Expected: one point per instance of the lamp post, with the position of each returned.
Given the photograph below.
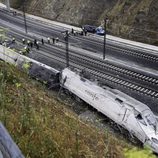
(24, 17)
(104, 47)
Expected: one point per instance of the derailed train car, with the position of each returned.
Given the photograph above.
(129, 113)
(35, 69)
(39, 71)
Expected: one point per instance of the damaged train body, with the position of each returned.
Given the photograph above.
(127, 112)
(34, 68)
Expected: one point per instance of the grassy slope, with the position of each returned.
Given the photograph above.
(42, 127)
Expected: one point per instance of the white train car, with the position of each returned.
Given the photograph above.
(129, 113)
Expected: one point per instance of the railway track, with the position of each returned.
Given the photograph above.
(105, 70)
(144, 57)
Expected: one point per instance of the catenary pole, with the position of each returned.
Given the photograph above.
(67, 48)
(24, 17)
(105, 28)
(8, 5)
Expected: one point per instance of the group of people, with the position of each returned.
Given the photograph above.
(36, 43)
(30, 44)
(54, 40)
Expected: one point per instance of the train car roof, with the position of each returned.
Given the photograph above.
(112, 93)
(139, 106)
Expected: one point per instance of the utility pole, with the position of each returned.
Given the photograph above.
(104, 47)
(24, 17)
(8, 5)
(67, 47)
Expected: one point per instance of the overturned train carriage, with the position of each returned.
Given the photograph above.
(36, 69)
(129, 113)
(42, 72)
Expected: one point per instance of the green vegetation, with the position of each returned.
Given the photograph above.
(43, 128)
(135, 153)
(124, 12)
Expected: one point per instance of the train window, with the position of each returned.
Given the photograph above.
(119, 100)
(151, 120)
(154, 140)
(140, 119)
(136, 113)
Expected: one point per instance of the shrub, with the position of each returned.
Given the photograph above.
(137, 153)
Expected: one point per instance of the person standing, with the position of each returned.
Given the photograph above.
(13, 40)
(42, 41)
(31, 44)
(35, 42)
(53, 39)
(72, 31)
(37, 45)
(28, 43)
(48, 40)
(23, 41)
(57, 39)
(85, 32)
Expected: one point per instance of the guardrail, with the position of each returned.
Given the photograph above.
(8, 149)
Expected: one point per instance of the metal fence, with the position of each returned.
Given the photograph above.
(8, 149)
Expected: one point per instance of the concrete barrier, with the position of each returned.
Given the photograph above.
(8, 149)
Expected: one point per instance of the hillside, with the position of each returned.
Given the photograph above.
(133, 19)
(41, 125)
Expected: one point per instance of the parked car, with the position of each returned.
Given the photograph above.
(89, 28)
(100, 31)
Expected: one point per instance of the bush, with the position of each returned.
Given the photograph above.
(137, 153)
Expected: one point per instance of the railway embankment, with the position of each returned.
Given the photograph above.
(42, 126)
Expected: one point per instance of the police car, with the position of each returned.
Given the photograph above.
(100, 31)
